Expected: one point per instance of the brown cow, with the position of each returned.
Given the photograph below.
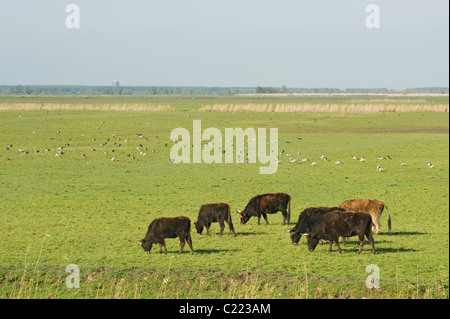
(264, 204)
(211, 213)
(162, 228)
(373, 207)
(341, 224)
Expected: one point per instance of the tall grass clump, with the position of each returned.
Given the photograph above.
(90, 107)
(328, 107)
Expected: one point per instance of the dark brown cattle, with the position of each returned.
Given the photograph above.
(308, 219)
(341, 224)
(267, 204)
(162, 228)
(373, 207)
(211, 213)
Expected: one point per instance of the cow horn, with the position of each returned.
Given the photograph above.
(304, 234)
(287, 230)
(238, 211)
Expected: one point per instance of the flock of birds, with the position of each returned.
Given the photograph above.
(60, 151)
(108, 147)
(338, 162)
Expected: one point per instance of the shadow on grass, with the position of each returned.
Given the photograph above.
(404, 233)
(394, 250)
(196, 251)
(378, 250)
(248, 233)
(212, 251)
(231, 235)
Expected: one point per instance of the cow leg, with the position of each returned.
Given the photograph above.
(361, 243)
(222, 227)
(288, 218)
(163, 244)
(344, 240)
(189, 241)
(265, 218)
(370, 238)
(330, 248)
(182, 243)
(378, 227)
(376, 223)
(259, 217)
(207, 228)
(337, 244)
(285, 217)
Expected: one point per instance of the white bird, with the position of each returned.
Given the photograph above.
(402, 163)
(379, 168)
(354, 157)
(305, 160)
(313, 163)
(112, 159)
(430, 165)
(338, 162)
(292, 160)
(362, 159)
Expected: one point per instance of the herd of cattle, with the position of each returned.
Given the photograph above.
(356, 217)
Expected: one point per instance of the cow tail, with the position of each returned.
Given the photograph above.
(188, 230)
(289, 211)
(389, 217)
(230, 223)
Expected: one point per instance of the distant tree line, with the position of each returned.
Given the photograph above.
(260, 89)
(120, 90)
(187, 90)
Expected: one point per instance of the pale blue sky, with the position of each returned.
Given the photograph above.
(225, 43)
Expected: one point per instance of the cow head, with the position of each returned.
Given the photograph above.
(198, 226)
(295, 236)
(146, 245)
(243, 216)
(312, 242)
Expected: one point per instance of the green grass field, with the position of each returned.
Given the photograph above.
(91, 211)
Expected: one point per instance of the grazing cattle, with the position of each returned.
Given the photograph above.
(267, 204)
(342, 224)
(308, 219)
(373, 207)
(211, 213)
(162, 228)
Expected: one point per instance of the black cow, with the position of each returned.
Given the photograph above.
(308, 219)
(168, 228)
(211, 213)
(267, 204)
(336, 224)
